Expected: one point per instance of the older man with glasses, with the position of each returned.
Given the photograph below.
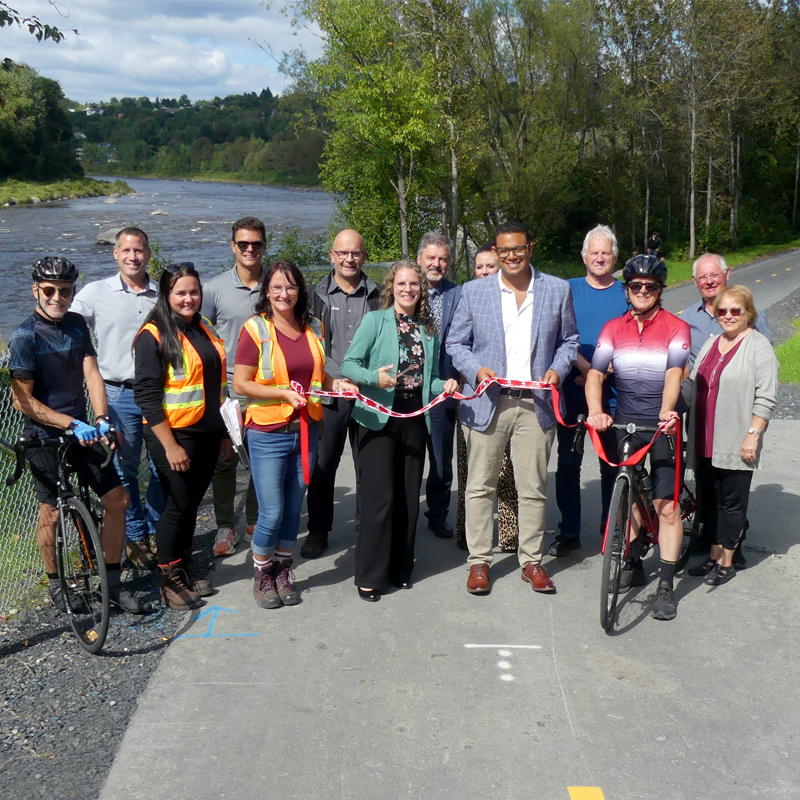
(228, 301)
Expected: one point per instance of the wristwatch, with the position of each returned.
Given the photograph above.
(756, 432)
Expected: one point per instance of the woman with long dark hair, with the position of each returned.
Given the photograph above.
(180, 383)
(280, 350)
(394, 356)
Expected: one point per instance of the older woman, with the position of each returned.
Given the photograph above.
(280, 346)
(734, 382)
(394, 358)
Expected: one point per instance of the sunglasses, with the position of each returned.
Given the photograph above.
(173, 268)
(641, 286)
(63, 291)
(257, 246)
(734, 312)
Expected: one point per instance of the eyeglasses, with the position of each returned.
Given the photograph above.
(641, 286)
(505, 252)
(734, 312)
(344, 254)
(279, 290)
(63, 291)
(245, 246)
(712, 278)
(173, 268)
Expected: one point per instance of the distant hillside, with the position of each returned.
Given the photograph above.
(254, 137)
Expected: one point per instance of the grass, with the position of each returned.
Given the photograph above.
(789, 357)
(14, 191)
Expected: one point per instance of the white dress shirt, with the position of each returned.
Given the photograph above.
(517, 327)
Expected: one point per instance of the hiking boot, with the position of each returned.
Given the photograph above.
(225, 542)
(665, 608)
(76, 603)
(127, 601)
(264, 590)
(140, 555)
(248, 533)
(562, 545)
(198, 582)
(283, 582)
(632, 575)
(315, 544)
(173, 587)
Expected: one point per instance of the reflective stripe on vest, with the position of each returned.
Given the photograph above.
(271, 371)
(183, 399)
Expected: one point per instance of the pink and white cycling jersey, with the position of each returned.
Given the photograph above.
(641, 360)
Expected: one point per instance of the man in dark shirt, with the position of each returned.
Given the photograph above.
(340, 301)
(51, 354)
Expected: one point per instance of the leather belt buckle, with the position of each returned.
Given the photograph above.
(516, 394)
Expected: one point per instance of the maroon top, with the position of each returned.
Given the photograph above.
(708, 375)
(299, 362)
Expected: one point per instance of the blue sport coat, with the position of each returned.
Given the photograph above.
(476, 340)
(450, 298)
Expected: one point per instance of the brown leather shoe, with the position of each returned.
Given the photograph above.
(539, 580)
(478, 581)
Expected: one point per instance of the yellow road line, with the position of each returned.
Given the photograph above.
(585, 793)
(774, 275)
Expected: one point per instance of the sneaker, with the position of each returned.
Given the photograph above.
(197, 581)
(127, 601)
(225, 542)
(76, 603)
(140, 555)
(665, 608)
(173, 587)
(248, 533)
(264, 590)
(563, 545)
(283, 582)
(632, 575)
(315, 544)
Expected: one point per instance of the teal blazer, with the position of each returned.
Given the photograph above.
(376, 344)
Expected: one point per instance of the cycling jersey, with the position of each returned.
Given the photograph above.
(51, 354)
(641, 360)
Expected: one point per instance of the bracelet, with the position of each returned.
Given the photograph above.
(756, 432)
(102, 418)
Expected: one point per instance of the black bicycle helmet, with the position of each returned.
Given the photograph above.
(54, 268)
(643, 266)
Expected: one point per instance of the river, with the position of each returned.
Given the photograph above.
(197, 228)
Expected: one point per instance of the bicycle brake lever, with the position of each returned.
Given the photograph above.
(578, 440)
(19, 466)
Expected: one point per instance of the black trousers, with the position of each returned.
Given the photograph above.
(725, 494)
(183, 491)
(337, 428)
(390, 466)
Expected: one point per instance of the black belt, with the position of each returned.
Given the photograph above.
(408, 394)
(289, 427)
(516, 394)
(121, 384)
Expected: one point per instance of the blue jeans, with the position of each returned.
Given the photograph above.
(440, 454)
(277, 466)
(140, 520)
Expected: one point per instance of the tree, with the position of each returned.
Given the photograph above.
(40, 30)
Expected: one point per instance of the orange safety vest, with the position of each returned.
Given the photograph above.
(272, 371)
(184, 399)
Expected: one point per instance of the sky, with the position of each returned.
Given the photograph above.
(159, 48)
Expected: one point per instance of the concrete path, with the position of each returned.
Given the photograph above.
(435, 693)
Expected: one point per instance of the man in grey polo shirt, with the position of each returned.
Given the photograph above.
(711, 275)
(340, 300)
(228, 301)
(115, 308)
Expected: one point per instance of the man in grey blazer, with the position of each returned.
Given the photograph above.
(518, 325)
(433, 255)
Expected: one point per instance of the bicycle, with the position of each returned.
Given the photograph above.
(632, 490)
(79, 550)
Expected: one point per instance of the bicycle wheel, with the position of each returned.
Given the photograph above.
(691, 521)
(82, 572)
(618, 518)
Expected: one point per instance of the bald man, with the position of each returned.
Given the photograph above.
(340, 300)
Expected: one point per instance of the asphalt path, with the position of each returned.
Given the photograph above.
(770, 279)
(434, 692)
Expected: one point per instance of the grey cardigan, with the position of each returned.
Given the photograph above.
(748, 386)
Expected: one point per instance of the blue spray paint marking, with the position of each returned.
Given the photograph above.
(212, 612)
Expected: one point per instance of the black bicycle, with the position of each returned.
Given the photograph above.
(79, 551)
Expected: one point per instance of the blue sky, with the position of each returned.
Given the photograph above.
(160, 48)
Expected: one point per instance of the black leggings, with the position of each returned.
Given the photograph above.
(725, 493)
(183, 491)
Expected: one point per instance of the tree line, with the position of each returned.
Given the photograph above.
(681, 116)
(251, 136)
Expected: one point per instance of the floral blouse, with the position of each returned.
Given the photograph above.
(412, 357)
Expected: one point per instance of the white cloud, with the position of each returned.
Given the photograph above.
(201, 48)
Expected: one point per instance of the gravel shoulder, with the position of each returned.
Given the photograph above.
(63, 712)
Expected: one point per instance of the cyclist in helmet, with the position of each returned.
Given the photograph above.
(648, 348)
(51, 355)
